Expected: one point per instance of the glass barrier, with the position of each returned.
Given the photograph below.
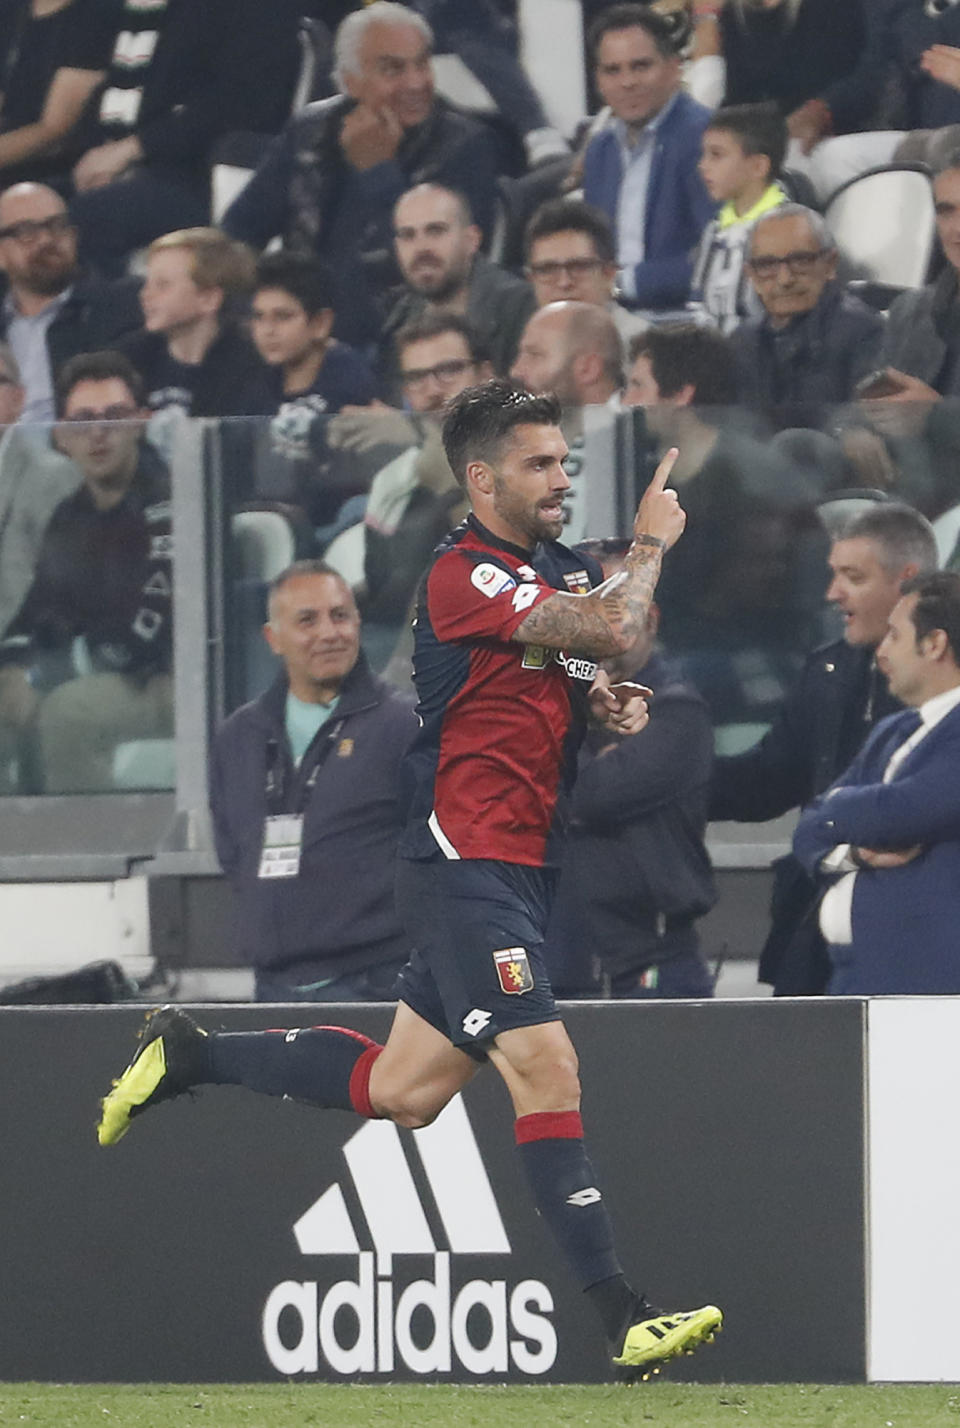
(86, 609)
(742, 596)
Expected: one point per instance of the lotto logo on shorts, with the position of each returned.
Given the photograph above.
(513, 969)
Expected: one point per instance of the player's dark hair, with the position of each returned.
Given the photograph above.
(102, 366)
(904, 536)
(298, 569)
(633, 17)
(301, 275)
(937, 607)
(570, 215)
(480, 419)
(437, 323)
(757, 128)
(681, 353)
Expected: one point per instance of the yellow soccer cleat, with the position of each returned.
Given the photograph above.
(650, 1342)
(171, 1058)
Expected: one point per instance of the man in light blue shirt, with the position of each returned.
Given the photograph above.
(642, 168)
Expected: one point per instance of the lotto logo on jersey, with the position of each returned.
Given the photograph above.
(490, 580)
(513, 970)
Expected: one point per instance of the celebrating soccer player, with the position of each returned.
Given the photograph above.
(510, 625)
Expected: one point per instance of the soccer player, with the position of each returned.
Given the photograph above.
(509, 629)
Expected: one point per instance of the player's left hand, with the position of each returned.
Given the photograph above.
(888, 857)
(621, 708)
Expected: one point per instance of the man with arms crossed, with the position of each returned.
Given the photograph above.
(508, 632)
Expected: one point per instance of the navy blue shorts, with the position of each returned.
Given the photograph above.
(476, 927)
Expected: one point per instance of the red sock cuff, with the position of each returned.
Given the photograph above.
(359, 1089)
(548, 1125)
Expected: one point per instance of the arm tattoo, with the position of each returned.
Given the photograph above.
(606, 621)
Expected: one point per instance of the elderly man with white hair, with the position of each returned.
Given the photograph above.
(329, 183)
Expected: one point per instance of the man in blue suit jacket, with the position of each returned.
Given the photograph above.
(642, 169)
(891, 825)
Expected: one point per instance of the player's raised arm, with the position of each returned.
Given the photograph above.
(608, 620)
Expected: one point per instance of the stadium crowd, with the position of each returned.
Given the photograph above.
(276, 217)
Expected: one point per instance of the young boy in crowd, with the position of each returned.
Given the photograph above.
(292, 321)
(743, 152)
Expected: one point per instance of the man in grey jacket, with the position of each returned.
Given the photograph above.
(34, 479)
(921, 347)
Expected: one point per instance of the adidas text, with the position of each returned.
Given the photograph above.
(365, 1325)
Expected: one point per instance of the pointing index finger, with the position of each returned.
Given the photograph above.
(662, 474)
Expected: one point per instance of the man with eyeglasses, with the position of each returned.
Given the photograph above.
(815, 341)
(91, 645)
(52, 310)
(437, 246)
(414, 500)
(571, 257)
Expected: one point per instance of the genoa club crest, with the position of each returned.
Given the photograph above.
(513, 970)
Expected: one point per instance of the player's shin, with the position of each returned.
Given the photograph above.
(565, 1193)
(326, 1066)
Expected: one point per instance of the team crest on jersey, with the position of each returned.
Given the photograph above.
(490, 580)
(513, 970)
(577, 582)
(536, 657)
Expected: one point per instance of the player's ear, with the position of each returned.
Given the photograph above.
(479, 477)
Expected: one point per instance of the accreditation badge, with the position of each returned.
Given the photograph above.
(282, 842)
(513, 970)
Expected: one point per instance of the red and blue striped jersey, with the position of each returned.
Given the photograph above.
(489, 772)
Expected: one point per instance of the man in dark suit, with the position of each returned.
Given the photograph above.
(839, 697)
(890, 827)
(641, 170)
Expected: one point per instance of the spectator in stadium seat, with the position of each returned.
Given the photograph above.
(293, 323)
(34, 479)
(889, 825)
(743, 151)
(742, 594)
(777, 52)
(437, 246)
(921, 343)
(304, 793)
(53, 55)
(183, 74)
(838, 698)
(573, 349)
(329, 183)
(191, 353)
(53, 309)
(570, 256)
(95, 625)
(642, 170)
(415, 500)
(636, 875)
(815, 342)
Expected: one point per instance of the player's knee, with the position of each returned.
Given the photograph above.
(411, 1109)
(550, 1070)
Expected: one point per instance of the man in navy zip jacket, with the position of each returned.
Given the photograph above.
(887, 834)
(642, 168)
(303, 793)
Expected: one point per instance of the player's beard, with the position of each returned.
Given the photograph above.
(525, 517)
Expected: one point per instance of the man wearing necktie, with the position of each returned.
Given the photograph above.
(887, 833)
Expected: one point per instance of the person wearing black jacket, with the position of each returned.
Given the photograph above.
(329, 182)
(53, 309)
(92, 640)
(822, 725)
(191, 354)
(636, 875)
(304, 799)
(183, 73)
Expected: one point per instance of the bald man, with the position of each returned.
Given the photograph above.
(52, 311)
(437, 243)
(574, 350)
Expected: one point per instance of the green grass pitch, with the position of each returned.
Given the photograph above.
(304, 1405)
